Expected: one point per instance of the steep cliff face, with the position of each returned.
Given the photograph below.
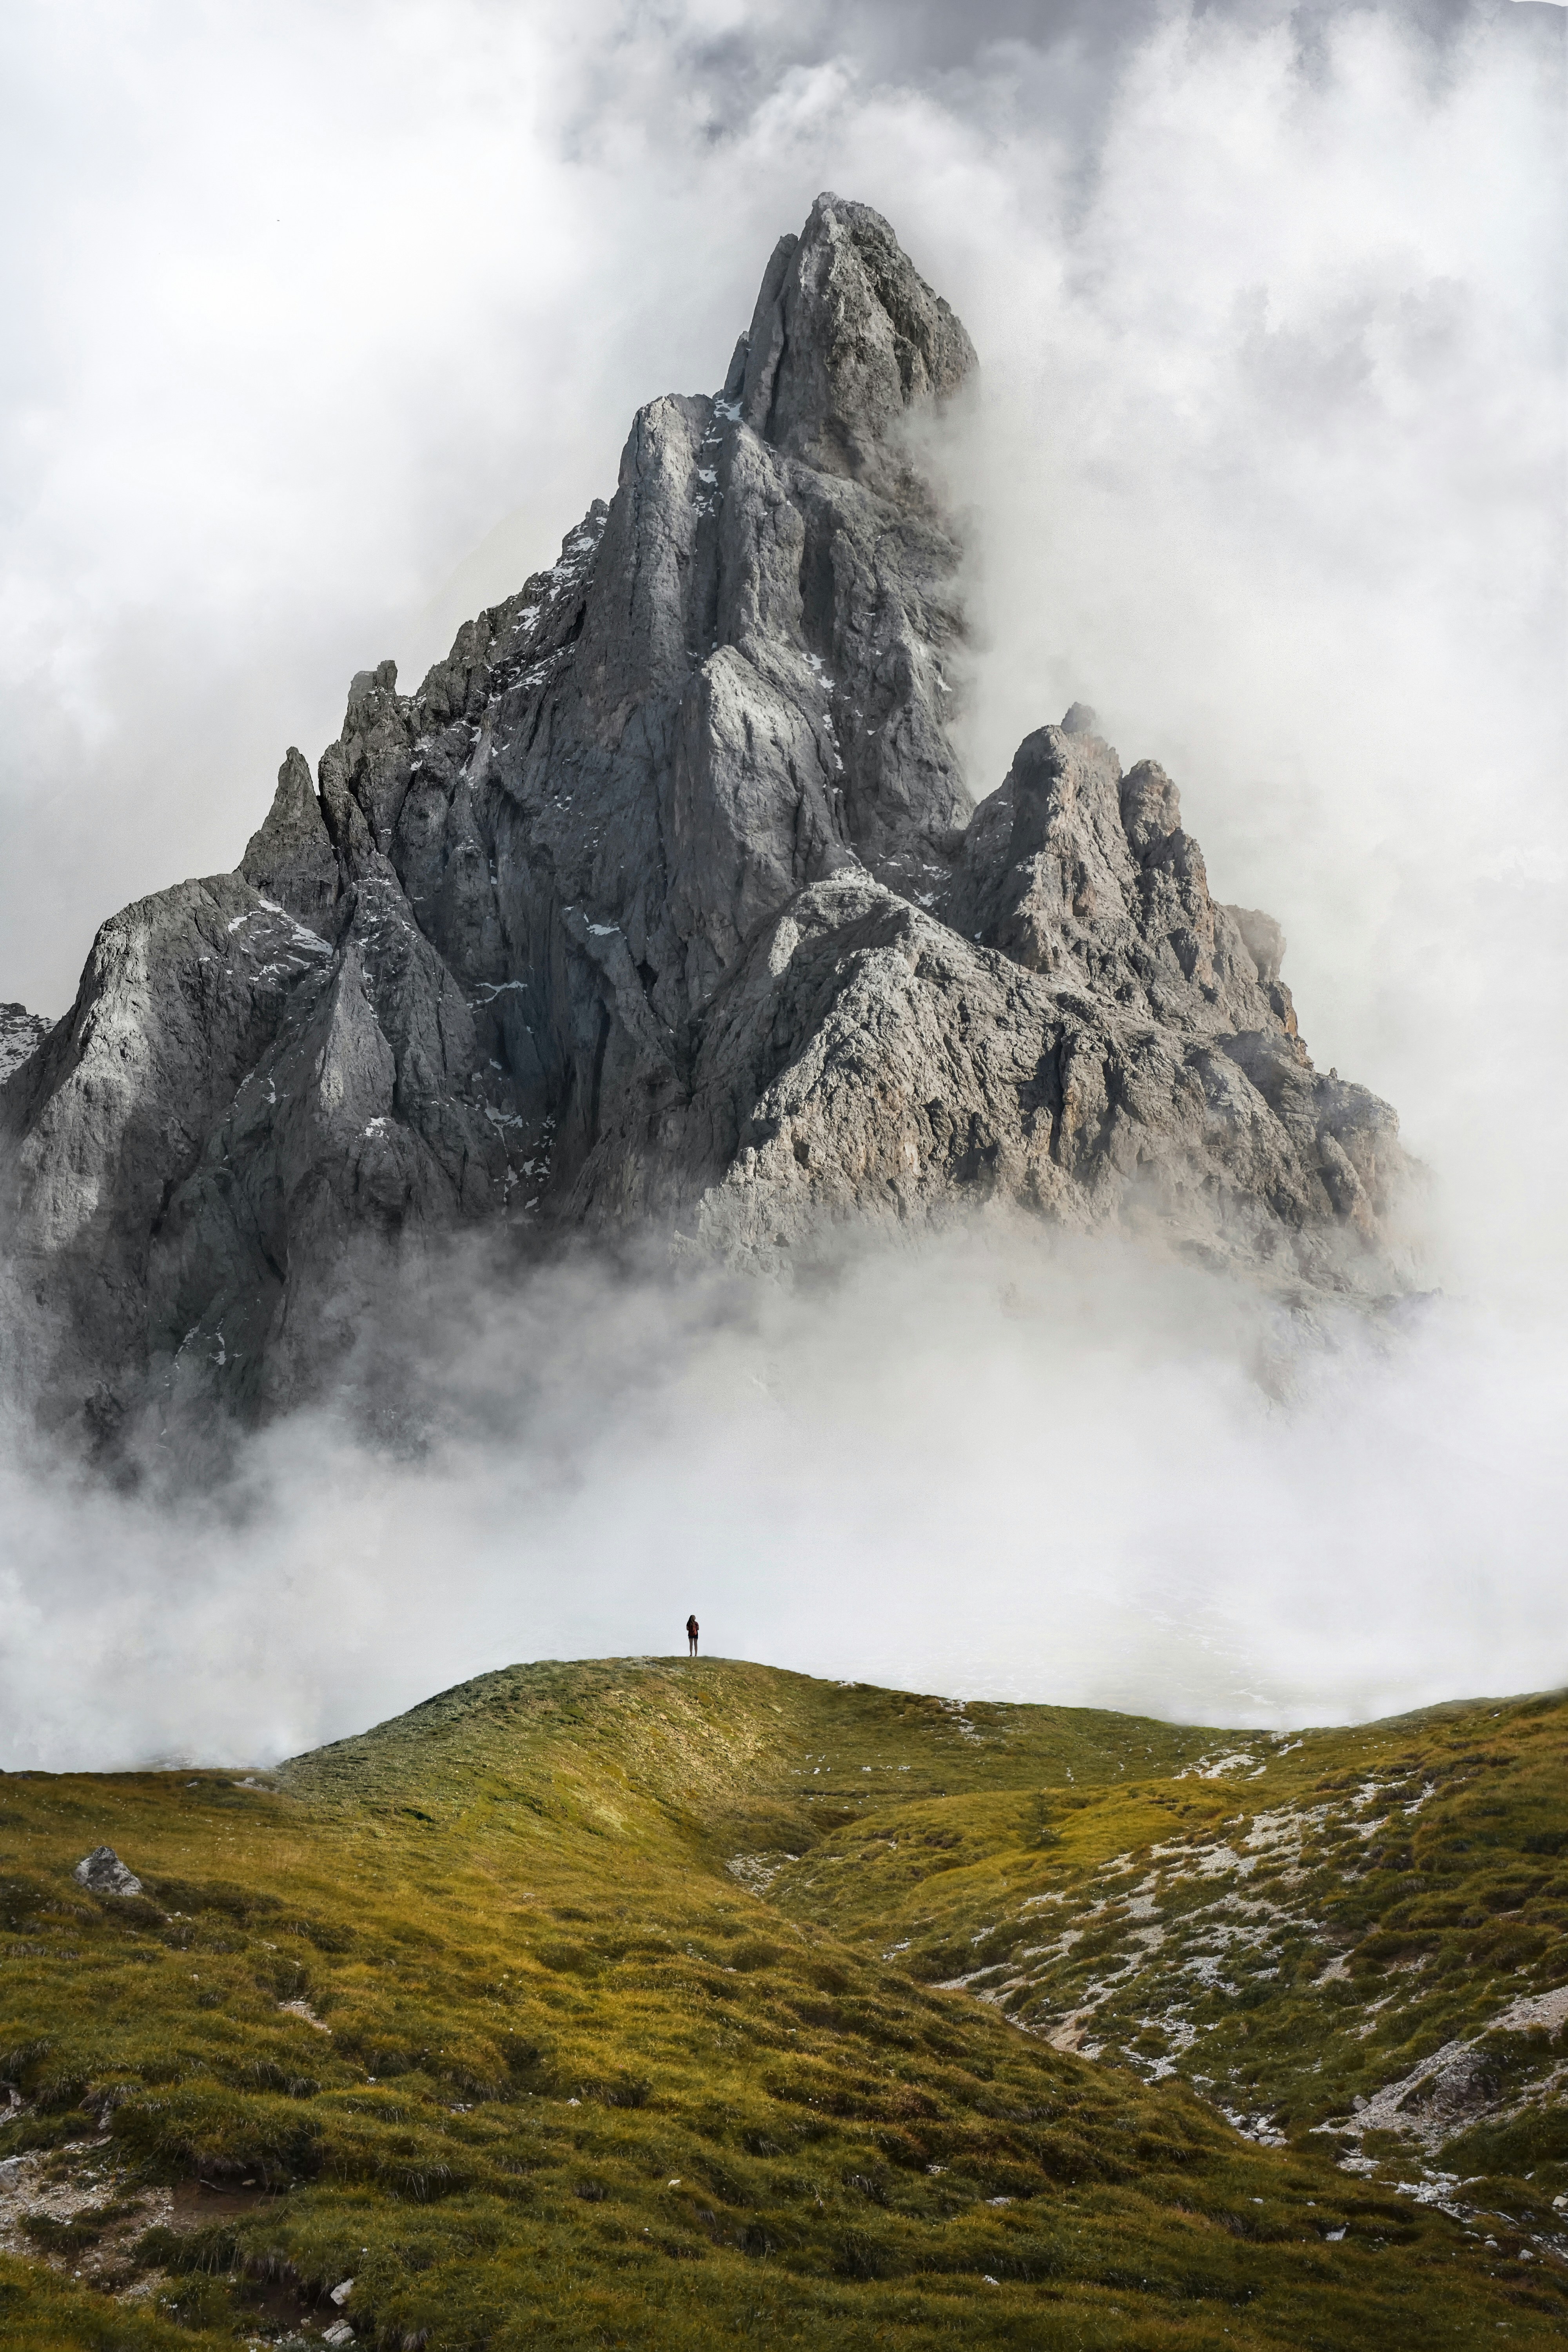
(663, 898)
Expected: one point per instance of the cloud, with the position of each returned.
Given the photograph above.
(327, 323)
(1001, 1463)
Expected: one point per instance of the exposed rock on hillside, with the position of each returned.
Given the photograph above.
(102, 1872)
(663, 898)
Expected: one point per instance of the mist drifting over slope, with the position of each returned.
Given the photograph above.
(1005, 1463)
(334, 327)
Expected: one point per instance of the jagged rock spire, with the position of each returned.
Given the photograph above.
(846, 338)
(663, 898)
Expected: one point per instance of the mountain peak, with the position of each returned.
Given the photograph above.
(845, 338)
(663, 901)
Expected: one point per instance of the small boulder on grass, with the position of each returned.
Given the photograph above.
(102, 1872)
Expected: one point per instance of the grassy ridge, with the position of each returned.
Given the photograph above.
(482, 2011)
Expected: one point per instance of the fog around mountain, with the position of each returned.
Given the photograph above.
(331, 328)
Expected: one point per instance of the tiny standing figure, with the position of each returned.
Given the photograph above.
(692, 1631)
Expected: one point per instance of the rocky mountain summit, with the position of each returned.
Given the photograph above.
(662, 901)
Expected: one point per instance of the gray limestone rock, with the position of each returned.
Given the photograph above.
(845, 338)
(102, 1872)
(21, 1034)
(663, 899)
(291, 856)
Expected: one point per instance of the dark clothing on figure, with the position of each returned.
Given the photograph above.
(691, 1632)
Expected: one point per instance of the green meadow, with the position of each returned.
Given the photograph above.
(672, 2004)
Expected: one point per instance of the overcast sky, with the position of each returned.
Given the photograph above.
(324, 322)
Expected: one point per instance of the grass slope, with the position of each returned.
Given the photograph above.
(485, 2010)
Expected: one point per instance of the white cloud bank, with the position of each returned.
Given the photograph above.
(305, 303)
(998, 1465)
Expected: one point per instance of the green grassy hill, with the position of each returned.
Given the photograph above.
(664, 2004)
